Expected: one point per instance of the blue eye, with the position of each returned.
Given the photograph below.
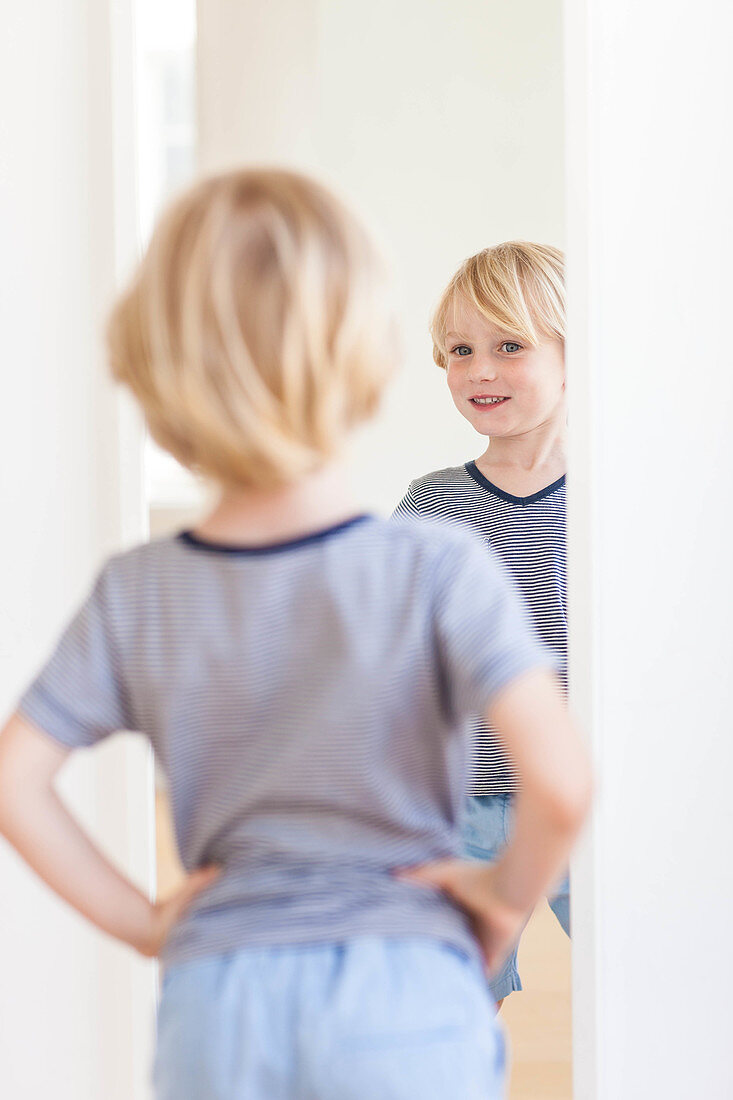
(511, 347)
(461, 349)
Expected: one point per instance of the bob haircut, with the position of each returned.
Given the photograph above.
(256, 332)
(517, 286)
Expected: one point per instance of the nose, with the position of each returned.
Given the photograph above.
(482, 369)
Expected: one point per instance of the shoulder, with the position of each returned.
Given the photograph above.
(432, 540)
(129, 570)
(439, 481)
(145, 555)
(434, 492)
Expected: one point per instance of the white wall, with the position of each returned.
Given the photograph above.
(650, 175)
(75, 1011)
(442, 123)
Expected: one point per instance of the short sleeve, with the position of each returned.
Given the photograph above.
(78, 698)
(407, 507)
(485, 635)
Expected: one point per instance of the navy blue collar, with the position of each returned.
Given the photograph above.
(473, 471)
(191, 539)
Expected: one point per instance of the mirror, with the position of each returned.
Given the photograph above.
(444, 126)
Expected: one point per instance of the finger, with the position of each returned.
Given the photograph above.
(208, 873)
(202, 877)
(196, 882)
(429, 874)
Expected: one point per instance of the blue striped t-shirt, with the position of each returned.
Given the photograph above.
(308, 702)
(528, 534)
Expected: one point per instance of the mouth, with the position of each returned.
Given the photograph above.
(488, 401)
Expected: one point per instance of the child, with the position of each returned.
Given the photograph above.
(498, 332)
(305, 673)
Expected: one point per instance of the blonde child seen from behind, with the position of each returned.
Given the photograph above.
(305, 673)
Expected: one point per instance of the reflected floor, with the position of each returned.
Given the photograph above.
(537, 1020)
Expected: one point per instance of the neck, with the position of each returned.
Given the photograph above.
(539, 451)
(252, 517)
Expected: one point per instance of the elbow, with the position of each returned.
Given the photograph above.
(8, 800)
(20, 792)
(569, 805)
(563, 798)
(5, 811)
(6, 786)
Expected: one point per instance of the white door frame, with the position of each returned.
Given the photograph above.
(582, 594)
(649, 163)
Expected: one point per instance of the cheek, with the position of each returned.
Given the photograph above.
(539, 393)
(455, 381)
(555, 387)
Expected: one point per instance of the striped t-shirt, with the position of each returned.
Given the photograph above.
(528, 533)
(309, 703)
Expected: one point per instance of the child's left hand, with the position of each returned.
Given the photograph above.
(471, 884)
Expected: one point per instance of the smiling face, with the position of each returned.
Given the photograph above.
(501, 384)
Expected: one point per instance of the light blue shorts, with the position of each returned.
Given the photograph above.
(370, 1019)
(487, 827)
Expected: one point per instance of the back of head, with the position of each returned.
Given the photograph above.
(256, 332)
(517, 286)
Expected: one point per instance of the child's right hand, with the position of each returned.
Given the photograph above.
(471, 884)
(164, 914)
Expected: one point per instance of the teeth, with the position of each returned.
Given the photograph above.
(487, 400)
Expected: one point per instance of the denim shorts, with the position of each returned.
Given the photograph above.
(369, 1019)
(486, 831)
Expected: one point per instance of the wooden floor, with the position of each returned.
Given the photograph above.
(537, 1020)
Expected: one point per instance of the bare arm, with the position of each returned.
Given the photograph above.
(539, 735)
(554, 798)
(35, 821)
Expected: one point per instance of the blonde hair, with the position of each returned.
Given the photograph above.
(256, 331)
(518, 286)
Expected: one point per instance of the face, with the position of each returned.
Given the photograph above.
(503, 386)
